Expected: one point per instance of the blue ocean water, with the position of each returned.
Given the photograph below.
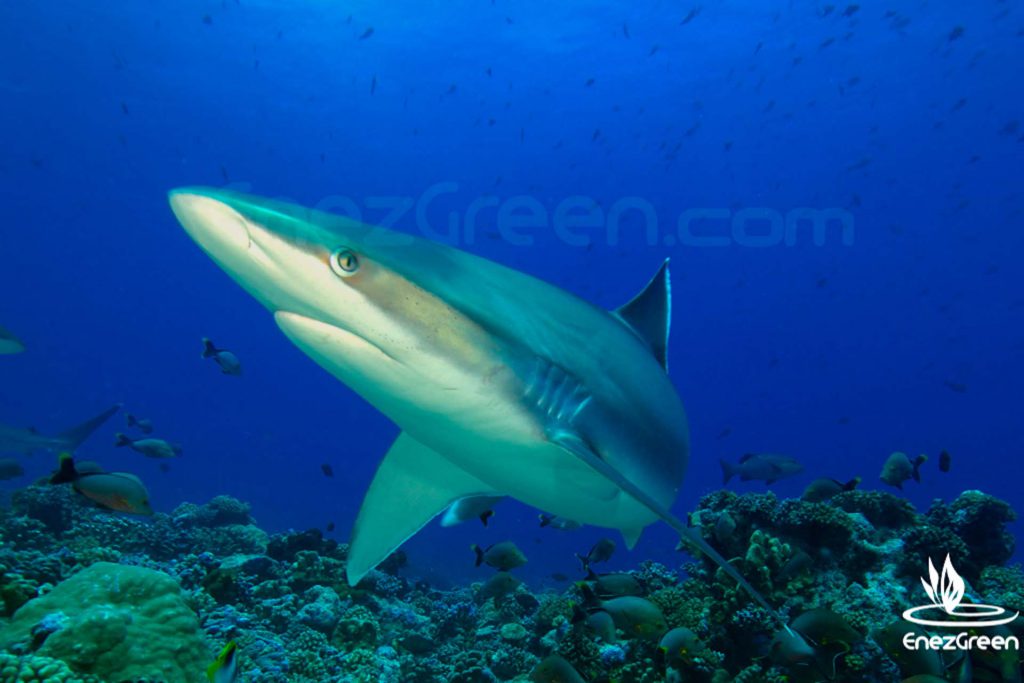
(733, 125)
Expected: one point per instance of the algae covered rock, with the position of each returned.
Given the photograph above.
(118, 623)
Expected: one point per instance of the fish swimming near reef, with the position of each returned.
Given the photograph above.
(899, 467)
(502, 556)
(9, 343)
(143, 424)
(10, 469)
(228, 361)
(502, 384)
(27, 441)
(149, 447)
(556, 522)
(601, 551)
(820, 490)
(119, 491)
(477, 507)
(224, 669)
(766, 467)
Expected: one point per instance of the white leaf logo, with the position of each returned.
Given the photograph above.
(946, 591)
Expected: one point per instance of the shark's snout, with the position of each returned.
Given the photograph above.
(218, 228)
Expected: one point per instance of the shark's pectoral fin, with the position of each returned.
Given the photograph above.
(412, 485)
(575, 445)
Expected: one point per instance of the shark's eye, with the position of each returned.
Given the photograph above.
(344, 263)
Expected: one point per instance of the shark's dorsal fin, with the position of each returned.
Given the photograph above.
(649, 314)
(412, 485)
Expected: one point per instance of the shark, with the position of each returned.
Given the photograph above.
(28, 441)
(501, 384)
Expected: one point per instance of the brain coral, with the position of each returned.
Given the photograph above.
(120, 623)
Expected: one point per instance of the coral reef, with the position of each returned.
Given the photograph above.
(90, 597)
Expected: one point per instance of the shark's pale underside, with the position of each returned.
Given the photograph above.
(502, 384)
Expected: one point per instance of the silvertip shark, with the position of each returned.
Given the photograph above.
(27, 441)
(502, 384)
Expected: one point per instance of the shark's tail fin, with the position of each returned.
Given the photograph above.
(917, 462)
(209, 350)
(74, 437)
(67, 472)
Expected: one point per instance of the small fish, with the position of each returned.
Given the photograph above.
(228, 362)
(899, 467)
(119, 491)
(559, 576)
(820, 490)
(589, 82)
(556, 522)
(151, 448)
(329, 527)
(614, 585)
(956, 33)
(327, 470)
(766, 467)
(555, 669)
(474, 507)
(502, 556)
(373, 85)
(851, 10)
(679, 646)
(636, 617)
(416, 644)
(224, 668)
(725, 525)
(497, 587)
(367, 33)
(625, 30)
(142, 424)
(10, 469)
(691, 16)
(601, 551)
(958, 387)
(9, 343)
(945, 460)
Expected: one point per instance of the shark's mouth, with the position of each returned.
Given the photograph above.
(329, 344)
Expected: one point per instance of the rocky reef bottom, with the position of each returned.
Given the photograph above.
(91, 597)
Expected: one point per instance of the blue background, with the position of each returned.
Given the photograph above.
(836, 354)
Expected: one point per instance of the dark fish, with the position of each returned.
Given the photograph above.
(330, 526)
(555, 669)
(366, 34)
(373, 85)
(207, 19)
(589, 82)
(151, 448)
(956, 33)
(556, 522)
(958, 387)
(724, 433)
(228, 361)
(142, 424)
(502, 556)
(10, 469)
(850, 10)
(766, 467)
(824, 489)
(945, 460)
(497, 587)
(327, 470)
(124, 108)
(899, 468)
(690, 16)
(118, 491)
(625, 29)
(602, 551)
